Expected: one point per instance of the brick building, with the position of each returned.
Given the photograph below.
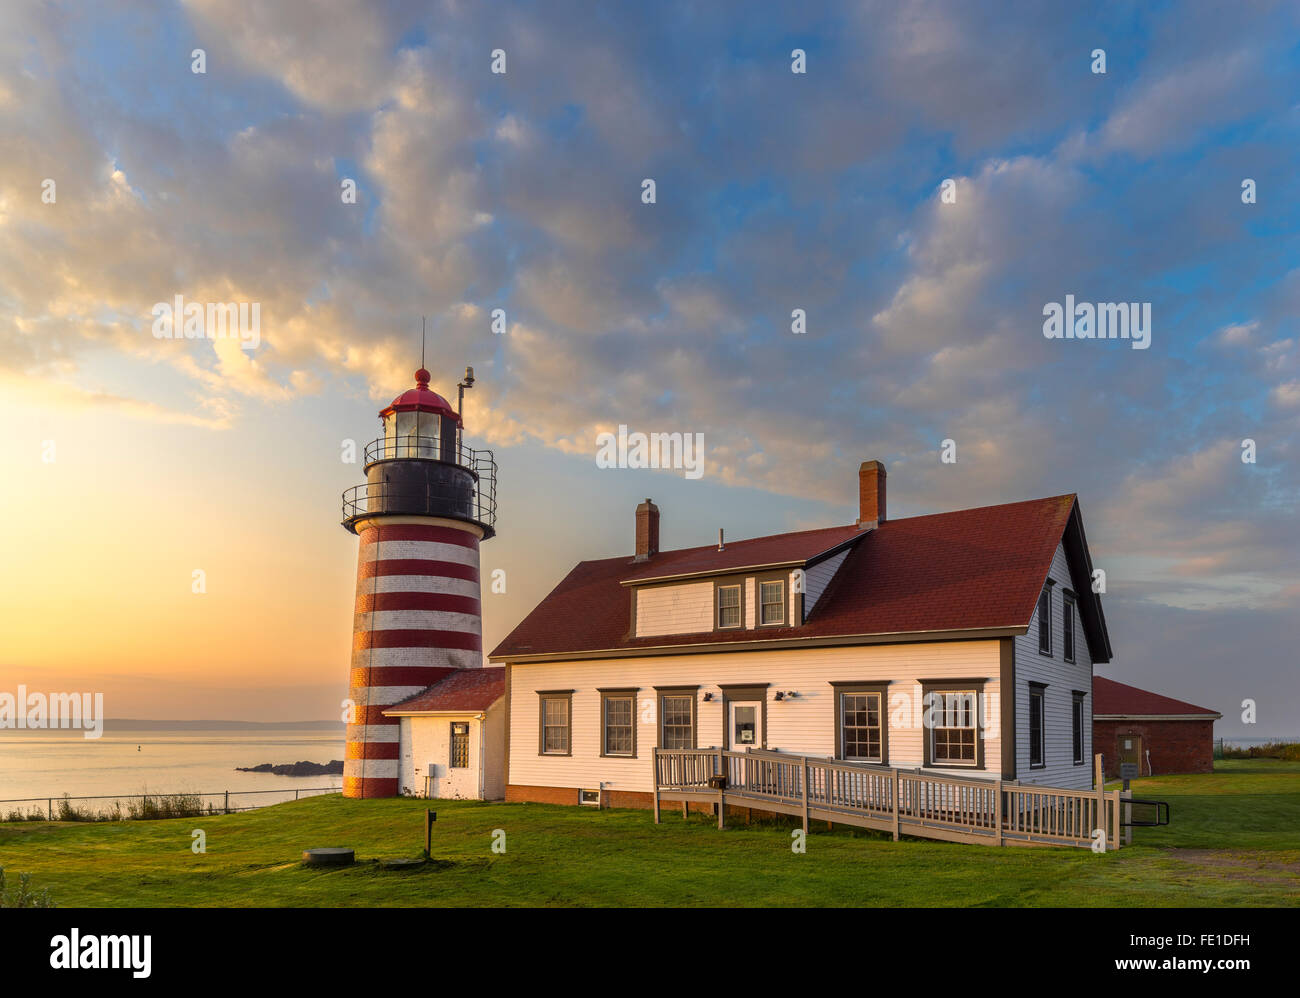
(1162, 735)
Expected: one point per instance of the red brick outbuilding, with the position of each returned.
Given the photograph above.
(1161, 734)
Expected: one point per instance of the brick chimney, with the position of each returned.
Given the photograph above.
(871, 494)
(647, 531)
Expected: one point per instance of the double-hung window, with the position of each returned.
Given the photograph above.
(555, 724)
(1076, 721)
(1037, 725)
(772, 602)
(677, 720)
(1067, 626)
(1045, 620)
(728, 606)
(618, 722)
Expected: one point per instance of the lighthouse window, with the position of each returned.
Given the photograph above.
(406, 434)
(728, 606)
(773, 609)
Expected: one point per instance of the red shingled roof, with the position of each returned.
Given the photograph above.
(779, 549)
(1110, 697)
(464, 689)
(967, 570)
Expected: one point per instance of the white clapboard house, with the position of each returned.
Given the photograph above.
(956, 643)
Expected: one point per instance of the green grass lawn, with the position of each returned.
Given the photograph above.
(1234, 840)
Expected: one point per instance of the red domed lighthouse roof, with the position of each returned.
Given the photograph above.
(420, 399)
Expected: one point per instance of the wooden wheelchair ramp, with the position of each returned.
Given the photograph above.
(902, 802)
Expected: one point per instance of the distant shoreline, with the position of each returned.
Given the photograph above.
(137, 724)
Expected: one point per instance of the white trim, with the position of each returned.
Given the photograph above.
(473, 712)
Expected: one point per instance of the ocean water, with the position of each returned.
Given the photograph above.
(43, 764)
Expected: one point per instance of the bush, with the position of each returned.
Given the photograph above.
(169, 806)
(1285, 751)
(24, 896)
(67, 812)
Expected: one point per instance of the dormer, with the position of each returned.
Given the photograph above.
(757, 585)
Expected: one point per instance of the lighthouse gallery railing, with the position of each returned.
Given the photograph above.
(475, 499)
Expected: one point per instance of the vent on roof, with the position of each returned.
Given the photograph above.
(721, 546)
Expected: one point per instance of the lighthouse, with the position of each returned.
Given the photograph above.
(427, 503)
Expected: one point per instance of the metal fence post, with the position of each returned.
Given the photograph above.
(227, 802)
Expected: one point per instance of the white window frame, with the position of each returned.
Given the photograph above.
(764, 604)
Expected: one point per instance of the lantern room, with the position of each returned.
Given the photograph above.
(422, 467)
(420, 424)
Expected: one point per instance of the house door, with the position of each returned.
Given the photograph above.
(1130, 750)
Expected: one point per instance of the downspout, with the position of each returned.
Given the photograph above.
(482, 750)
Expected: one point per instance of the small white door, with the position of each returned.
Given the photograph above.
(745, 730)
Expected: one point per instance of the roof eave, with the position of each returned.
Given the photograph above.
(812, 641)
(1208, 716)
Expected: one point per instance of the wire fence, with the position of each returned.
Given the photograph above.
(128, 807)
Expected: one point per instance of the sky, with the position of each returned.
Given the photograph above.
(130, 461)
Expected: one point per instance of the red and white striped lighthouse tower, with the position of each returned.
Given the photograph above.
(427, 503)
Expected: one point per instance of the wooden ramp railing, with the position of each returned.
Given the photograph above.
(904, 802)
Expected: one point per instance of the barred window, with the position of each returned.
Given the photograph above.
(459, 745)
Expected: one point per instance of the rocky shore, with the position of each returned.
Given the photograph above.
(334, 768)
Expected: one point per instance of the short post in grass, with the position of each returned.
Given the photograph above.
(1127, 794)
(429, 818)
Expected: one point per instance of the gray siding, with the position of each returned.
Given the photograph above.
(1061, 678)
(817, 578)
